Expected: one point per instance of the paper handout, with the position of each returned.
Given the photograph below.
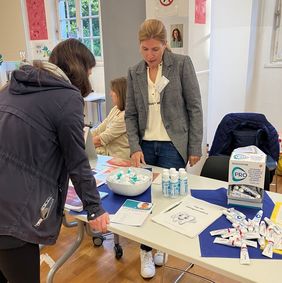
(190, 216)
(132, 213)
(73, 201)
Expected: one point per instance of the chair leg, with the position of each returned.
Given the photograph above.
(183, 272)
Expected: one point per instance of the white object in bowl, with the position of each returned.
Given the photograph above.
(126, 185)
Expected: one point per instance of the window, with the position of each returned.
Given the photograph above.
(80, 19)
(277, 34)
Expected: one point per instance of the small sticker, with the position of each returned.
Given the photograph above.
(162, 83)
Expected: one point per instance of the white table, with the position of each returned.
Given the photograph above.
(159, 237)
(98, 98)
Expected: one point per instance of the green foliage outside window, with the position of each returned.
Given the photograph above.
(88, 21)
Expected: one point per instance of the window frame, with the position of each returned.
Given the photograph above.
(79, 25)
(276, 48)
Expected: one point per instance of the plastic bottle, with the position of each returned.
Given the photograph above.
(165, 182)
(174, 185)
(183, 183)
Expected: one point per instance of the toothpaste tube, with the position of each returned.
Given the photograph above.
(239, 239)
(258, 217)
(244, 254)
(275, 227)
(250, 191)
(222, 231)
(241, 195)
(278, 243)
(268, 250)
(251, 235)
(270, 233)
(262, 228)
(240, 232)
(240, 221)
(227, 242)
(261, 242)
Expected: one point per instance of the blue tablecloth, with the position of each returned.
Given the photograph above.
(219, 197)
(112, 202)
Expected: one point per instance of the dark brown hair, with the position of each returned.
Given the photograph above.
(119, 86)
(178, 35)
(76, 60)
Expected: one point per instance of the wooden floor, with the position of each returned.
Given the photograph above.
(92, 264)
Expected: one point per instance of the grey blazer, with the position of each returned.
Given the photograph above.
(180, 100)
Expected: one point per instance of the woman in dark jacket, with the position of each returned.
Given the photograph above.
(42, 145)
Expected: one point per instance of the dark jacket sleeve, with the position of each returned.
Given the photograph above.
(71, 139)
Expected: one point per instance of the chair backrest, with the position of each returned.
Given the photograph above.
(217, 167)
(244, 129)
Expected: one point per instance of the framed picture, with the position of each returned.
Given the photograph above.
(176, 36)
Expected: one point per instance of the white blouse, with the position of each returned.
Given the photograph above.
(155, 130)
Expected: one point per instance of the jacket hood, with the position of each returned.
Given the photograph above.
(29, 79)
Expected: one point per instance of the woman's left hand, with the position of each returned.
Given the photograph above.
(192, 160)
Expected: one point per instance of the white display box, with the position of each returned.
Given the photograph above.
(246, 177)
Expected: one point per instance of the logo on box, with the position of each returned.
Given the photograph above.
(240, 156)
(238, 174)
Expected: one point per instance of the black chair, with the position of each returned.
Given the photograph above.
(217, 167)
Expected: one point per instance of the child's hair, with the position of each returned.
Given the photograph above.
(76, 60)
(119, 86)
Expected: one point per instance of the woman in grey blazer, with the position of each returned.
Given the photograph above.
(163, 112)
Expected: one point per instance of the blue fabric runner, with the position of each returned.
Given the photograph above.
(112, 202)
(219, 197)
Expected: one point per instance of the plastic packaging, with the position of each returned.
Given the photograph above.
(174, 185)
(165, 182)
(183, 183)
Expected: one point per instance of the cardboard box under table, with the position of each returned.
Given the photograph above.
(246, 177)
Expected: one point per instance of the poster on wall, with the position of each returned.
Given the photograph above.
(177, 34)
(200, 11)
(36, 19)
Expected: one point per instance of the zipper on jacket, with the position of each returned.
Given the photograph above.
(45, 210)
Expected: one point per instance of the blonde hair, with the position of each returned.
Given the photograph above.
(153, 29)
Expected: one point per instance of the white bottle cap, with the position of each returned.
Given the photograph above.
(183, 174)
(174, 176)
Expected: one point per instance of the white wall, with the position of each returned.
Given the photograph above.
(229, 55)
(265, 94)
(241, 77)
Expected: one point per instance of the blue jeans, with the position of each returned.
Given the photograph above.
(162, 154)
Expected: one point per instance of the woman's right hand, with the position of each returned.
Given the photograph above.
(137, 158)
(100, 223)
